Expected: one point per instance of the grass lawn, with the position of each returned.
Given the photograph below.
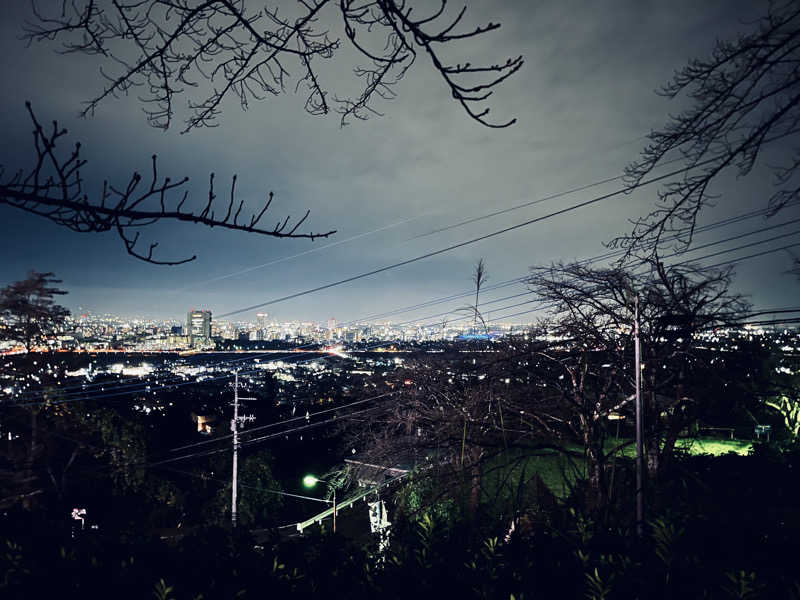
(701, 445)
(558, 471)
(715, 446)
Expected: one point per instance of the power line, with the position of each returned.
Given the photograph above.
(750, 245)
(139, 387)
(735, 260)
(306, 427)
(471, 241)
(589, 261)
(597, 258)
(554, 196)
(417, 217)
(320, 423)
(277, 423)
(147, 464)
(311, 251)
(147, 387)
(717, 265)
(518, 207)
(244, 485)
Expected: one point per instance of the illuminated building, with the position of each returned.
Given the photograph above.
(198, 326)
(331, 328)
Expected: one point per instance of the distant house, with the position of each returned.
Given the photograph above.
(204, 423)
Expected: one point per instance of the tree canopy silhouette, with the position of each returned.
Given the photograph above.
(28, 312)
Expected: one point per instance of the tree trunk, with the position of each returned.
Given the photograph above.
(30, 476)
(475, 489)
(653, 440)
(595, 493)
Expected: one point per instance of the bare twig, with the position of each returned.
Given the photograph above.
(166, 46)
(54, 189)
(745, 94)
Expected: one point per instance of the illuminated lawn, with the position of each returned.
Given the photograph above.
(716, 446)
(696, 446)
(558, 472)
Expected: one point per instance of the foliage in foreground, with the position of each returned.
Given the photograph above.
(720, 527)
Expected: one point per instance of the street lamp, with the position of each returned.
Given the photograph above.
(310, 481)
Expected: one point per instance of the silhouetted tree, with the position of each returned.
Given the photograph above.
(746, 94)
(442, 419)
(592, 310)
(458, 416)
(91, 444)
(166, 46)
(28, 316)
(28, 312)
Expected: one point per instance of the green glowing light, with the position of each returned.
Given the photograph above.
(310, 481)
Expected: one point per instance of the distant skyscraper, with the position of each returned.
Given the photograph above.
(331, 328)
(262, 324)
(198, 326)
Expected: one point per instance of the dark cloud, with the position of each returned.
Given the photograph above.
(583, 100)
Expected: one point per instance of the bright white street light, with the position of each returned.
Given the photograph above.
(310, 481)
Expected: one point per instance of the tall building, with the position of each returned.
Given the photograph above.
(331, 328)
(262, 324)
(198, 326)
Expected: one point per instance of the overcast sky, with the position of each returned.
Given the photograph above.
(583, 100)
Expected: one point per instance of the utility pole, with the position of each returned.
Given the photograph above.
(639, 424)
(234, 428)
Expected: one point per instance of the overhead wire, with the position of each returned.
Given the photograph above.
(250, 442)
(427, 255)
(285, 421)
(310, 251)
(579, 205)
(244, 485)
(483, 237)
(417, 217)
(714, 266)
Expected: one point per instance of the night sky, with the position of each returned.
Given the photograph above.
(584, 100)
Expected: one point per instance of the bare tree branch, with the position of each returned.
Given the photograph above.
(746, 94)
(166, 46)
(54, 189)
